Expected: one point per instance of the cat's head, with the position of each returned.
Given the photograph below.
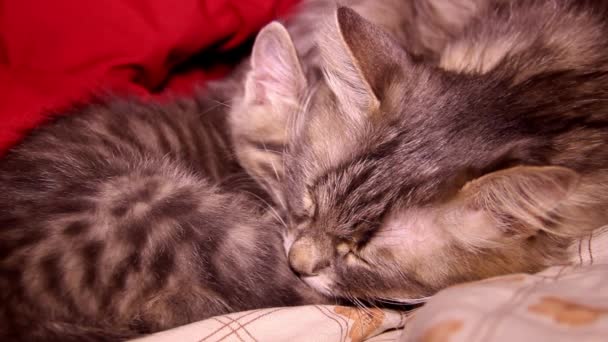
(399, 178)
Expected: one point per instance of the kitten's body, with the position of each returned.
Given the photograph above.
(130, 218)
(488, 157)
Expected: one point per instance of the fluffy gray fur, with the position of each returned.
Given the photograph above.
(482, 152)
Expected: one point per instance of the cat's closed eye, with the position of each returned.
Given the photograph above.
(351, 250)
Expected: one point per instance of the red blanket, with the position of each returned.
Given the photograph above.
(53, 53)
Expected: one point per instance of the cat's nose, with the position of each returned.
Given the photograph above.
(305, 257)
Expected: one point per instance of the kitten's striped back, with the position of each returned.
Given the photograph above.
(129, 218)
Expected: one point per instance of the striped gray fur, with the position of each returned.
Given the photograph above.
(257, 145)
(482, 152)
(127, 218)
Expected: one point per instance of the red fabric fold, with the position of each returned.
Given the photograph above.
(55, 53)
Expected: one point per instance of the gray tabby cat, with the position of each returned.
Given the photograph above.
(128, 218)
(400, 177)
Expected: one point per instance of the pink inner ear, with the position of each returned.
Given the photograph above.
(271, 72)
(276, 77)
(259, 89)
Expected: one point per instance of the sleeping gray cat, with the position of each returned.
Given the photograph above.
(128, 218)
(400, 177)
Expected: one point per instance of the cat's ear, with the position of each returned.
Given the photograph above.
(273, 87)
(276, 77)
(360, 61)
(522, 199)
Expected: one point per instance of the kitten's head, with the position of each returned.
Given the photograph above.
(400, 178)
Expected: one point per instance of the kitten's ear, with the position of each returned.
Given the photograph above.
(276, 76)
(260, 123)
(523, 198)
(361, 60)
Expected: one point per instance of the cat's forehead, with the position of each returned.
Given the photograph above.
(369, 186)
(405, 150)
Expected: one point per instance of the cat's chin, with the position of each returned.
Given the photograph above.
(320, 283)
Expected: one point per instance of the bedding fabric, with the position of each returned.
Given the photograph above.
(562, 303)
(55, 53)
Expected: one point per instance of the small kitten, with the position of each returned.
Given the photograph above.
(401, 177)
(128, 218)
